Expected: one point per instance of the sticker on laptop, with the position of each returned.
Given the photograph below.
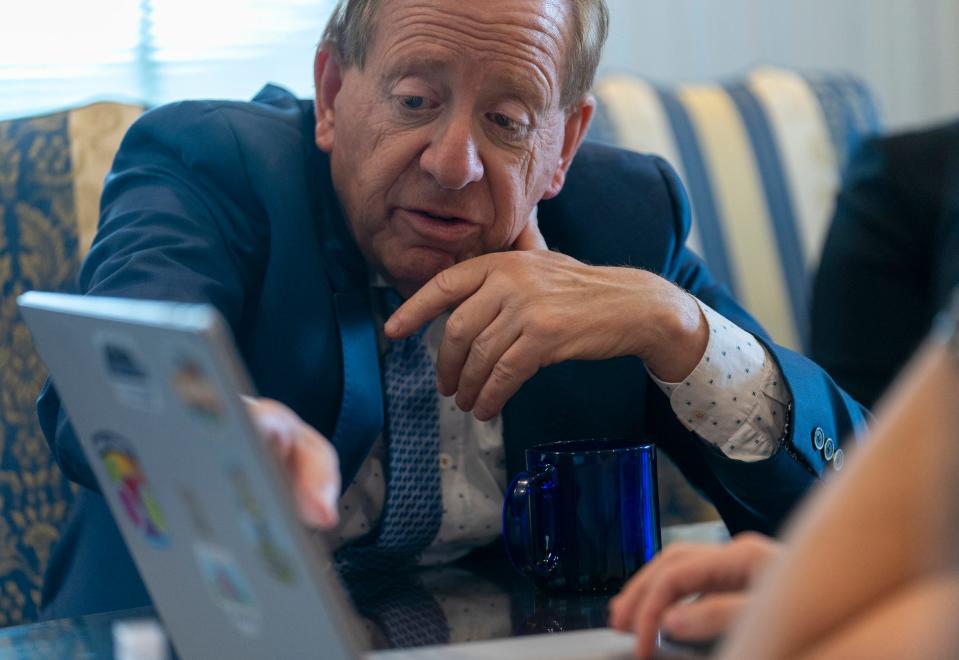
(201, 524)
(228, 587)
(131, 486)
(129, 379)
(257, 531)
(195, 389)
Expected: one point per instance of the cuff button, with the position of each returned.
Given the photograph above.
(818, 438)
(838, 459)
(829, 449)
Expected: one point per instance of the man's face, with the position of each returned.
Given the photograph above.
(451, 133)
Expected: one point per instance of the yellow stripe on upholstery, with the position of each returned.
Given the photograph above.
(95, 134)
(806, 150)
(641, 125)
(742, 207)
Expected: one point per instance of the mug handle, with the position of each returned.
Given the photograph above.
(529, 522)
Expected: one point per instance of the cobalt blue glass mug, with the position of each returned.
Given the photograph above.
(585, 515)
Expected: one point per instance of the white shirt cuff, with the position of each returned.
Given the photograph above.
(735, 399)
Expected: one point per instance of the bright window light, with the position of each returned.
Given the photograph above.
(55, 54)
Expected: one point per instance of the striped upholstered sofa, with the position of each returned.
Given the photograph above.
(761, 158)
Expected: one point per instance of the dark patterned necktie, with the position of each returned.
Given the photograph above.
(413, 507)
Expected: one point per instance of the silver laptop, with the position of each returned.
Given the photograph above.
(153, 390)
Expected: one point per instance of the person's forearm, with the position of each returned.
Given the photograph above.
(888, 521)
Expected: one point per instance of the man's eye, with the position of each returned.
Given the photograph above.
(413, 102)
(503, 121)
(509, 127)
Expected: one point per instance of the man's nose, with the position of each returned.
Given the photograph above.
(452, 157)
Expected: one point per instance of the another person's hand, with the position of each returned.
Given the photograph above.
(310, 461)
(721, 573)
(519, 311)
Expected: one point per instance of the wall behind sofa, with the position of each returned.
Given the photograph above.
(55, 53)
(906, 50)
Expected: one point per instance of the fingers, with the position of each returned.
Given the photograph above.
(447, 289)
(486, 351)
(462, 328)
(679, 571)
(514, 368)
(316, 479)
(307, 458)
(623, 605)
(704, 619)
(666, 588)
(503, 297)
(479, 359)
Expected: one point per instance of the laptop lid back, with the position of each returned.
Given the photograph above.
(153, 392)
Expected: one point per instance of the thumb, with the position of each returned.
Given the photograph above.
(531, 238)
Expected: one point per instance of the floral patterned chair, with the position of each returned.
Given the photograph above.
(51, 174)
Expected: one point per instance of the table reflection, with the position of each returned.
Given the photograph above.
(478, 598)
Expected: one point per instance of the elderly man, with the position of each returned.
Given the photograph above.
(438, 130)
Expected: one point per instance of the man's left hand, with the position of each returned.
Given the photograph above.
(516, 312)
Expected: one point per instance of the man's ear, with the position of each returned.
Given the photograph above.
(328, 79)
(577, 121)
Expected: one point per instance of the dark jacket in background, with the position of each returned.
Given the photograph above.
(890, 260)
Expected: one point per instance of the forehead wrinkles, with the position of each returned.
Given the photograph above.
(524, 38)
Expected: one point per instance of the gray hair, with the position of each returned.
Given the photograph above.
(351, 27)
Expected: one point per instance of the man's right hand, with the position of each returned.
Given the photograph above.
(308, 458)
(721, 573)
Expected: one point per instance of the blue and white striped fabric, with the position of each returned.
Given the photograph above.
(761, 158)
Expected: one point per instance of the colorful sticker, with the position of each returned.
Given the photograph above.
(257, 531)
(132, 487)
(196, 391)
(228, 587)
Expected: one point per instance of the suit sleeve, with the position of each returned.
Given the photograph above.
(177, 223)
(759, 495)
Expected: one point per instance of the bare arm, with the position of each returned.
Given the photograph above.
(876, 546)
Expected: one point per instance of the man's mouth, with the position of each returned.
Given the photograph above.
(439, 225)
(436, 214)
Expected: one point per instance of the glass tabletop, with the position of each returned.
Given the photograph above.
(478, 598)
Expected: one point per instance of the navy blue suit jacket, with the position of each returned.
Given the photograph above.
(231, 203)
